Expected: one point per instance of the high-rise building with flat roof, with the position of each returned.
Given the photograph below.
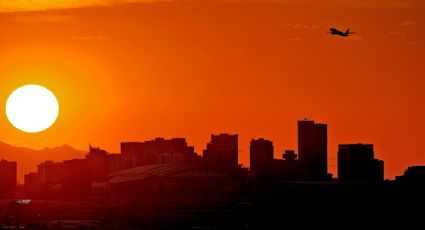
(8, 177)
(356, 162)
(222, 151)
(261, 157)
(313, 150)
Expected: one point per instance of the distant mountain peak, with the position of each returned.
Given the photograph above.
(28, 158)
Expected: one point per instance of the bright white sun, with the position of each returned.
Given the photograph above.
(32, 108)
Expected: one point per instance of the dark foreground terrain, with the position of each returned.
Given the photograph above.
(263, 205)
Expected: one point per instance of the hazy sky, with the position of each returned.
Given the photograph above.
(132, 72)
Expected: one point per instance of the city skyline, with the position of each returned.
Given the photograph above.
(173, 69)
(168, 176)
(310, 162)
(212, 114)
(330, 164)
(356, 162)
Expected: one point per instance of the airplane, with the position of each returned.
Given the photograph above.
(334, 31)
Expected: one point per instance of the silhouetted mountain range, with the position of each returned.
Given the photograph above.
(28, 159)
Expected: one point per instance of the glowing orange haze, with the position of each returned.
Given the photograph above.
(135, 72)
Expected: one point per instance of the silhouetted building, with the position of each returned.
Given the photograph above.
(32, 182)
(291, 165)
(264, 166)
(289, 155)
(415, 174)
(356, 162)
(76, 180)
(286, 168)
(98, 164)
(50, 174)
(8, 177)
(222, 151)
(313, 150)
(47, 179)
(261, 157)
(158, 151)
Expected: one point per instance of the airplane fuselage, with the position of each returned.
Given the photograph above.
(334, 31)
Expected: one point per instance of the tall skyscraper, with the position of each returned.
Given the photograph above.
(356, 162)
(313, 150)
(8, 177)
(222, 151)
(98, 164)
(261, 157)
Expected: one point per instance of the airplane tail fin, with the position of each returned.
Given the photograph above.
(348, 31)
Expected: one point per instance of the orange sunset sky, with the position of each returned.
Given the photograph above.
(133, 71)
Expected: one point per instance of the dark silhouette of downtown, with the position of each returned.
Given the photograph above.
(164, 184)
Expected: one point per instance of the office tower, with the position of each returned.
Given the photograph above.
(222, 151)
(313, 150)
(356, 162)
(8, 177)
(261, 157)
(98, 164)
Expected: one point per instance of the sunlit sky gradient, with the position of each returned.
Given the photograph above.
(132, 72)
(31, 5)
